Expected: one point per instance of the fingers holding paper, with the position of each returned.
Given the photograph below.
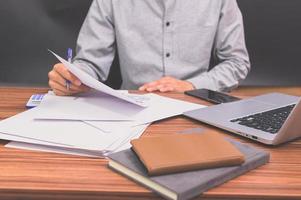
(61, 90)
(59, 77)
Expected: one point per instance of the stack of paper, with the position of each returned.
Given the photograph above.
(70, 135)
(97, 123)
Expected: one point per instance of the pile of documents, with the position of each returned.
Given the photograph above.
(96, 123)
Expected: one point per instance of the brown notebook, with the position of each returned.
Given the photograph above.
(184, 152)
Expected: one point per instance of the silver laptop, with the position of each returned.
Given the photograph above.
(271, 119)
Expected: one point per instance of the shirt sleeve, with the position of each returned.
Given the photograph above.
(96, 41)
(229, 51)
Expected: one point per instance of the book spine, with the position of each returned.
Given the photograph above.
(139, 182)
(257, 161)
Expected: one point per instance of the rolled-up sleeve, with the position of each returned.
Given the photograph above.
(96, 41)
(229, 51)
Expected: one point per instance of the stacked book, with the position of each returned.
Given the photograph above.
(182, 166)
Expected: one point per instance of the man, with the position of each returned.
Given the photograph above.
(163, 45)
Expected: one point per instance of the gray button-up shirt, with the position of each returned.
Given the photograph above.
(157, 38)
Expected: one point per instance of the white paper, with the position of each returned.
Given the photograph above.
(68, 134)
(126, 144)
(93, 105)
(47, 147)
(74, 134)
(9, 137)
(51, 149)
(134, 132)
(95, 84)
(162, 108)
(159, 108)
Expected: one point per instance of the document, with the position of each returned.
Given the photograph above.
(51, 149)
(134, 133)
(73, 134)
(95, 108)
(162, 108)
(9, 137)
(48, 147)
(97, 85)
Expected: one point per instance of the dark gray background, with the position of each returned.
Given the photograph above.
(29, 27)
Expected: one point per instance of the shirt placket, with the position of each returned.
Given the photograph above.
(168, 26)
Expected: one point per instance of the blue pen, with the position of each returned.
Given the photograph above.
(69, 58)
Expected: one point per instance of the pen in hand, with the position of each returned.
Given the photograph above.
(69, 58)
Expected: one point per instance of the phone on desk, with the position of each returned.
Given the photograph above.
(212, 96)
(34, 100)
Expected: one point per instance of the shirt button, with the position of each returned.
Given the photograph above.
(167, 23)
(167, 55)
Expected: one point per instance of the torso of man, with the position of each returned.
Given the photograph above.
(157, 38)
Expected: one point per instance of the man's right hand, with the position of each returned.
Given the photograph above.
(57, 81)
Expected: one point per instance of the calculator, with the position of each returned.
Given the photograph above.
(34, 100)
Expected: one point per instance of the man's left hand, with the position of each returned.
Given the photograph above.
(167, 84)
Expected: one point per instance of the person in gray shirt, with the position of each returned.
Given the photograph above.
(163, 45)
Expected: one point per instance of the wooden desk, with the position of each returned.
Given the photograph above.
(36, 175)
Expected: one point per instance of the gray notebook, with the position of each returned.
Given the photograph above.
(186, 185)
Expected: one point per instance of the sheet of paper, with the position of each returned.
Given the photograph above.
(51, 149)
(69, 134)
(162, 108)
(159, 108)
(135, 132)
(75, 134)
(97, 85)
(95, 105)
(122, 145)
(9, 137)
(126, 144)
(111, 126)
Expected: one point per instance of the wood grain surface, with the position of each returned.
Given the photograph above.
(37, 175)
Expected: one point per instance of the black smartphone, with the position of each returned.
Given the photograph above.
(212, 96)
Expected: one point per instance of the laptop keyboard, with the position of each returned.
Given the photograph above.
(269, 121)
